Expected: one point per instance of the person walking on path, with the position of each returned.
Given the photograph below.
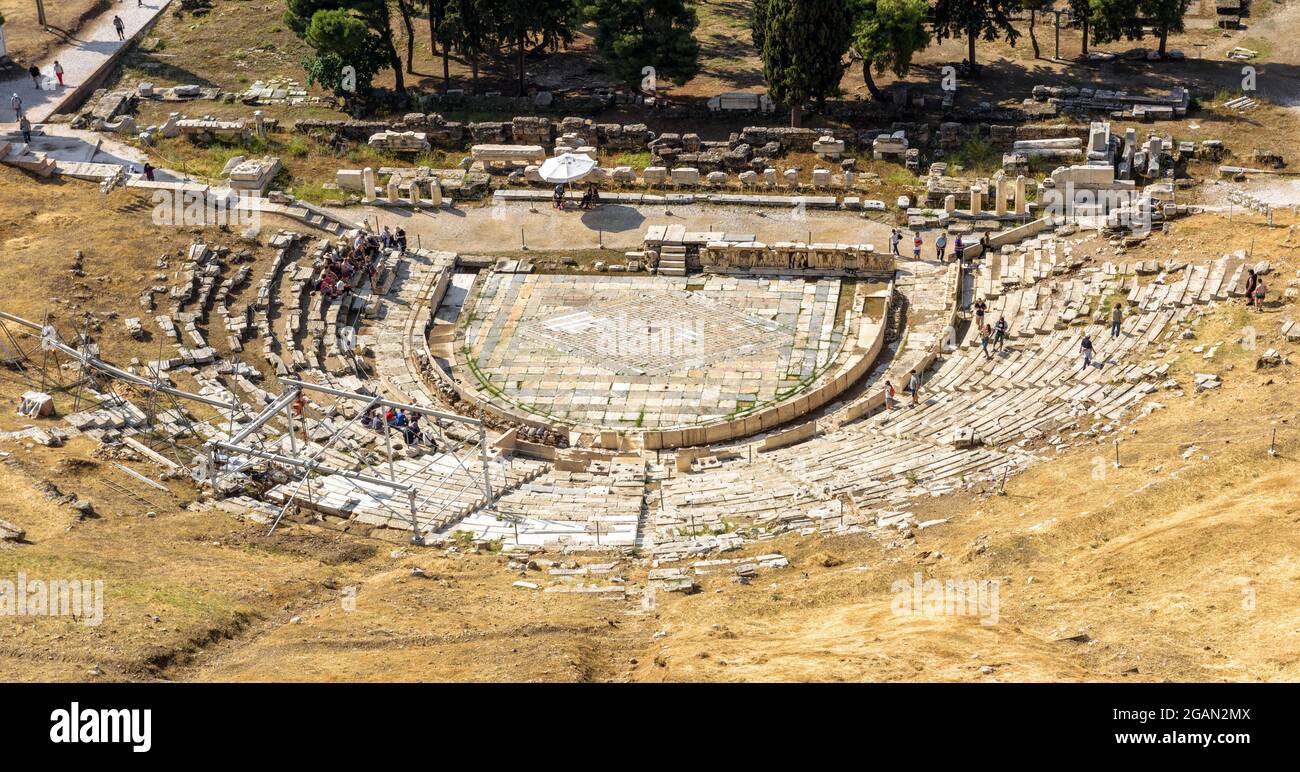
(1116, 319)
(940, 246)
(916, 246)
(58, 71)
(16, 102)
(1251, 282)
(889, 397)
(120, 26)
(913, 386)
(148, 171)
(1085, 348)
(895, 238)
(984, 341)
(1260, 291)
(25, 126)
(959, 249)
(980, 309)
(35, 72)
(1000, 333)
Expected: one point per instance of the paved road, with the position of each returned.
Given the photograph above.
(82, 57)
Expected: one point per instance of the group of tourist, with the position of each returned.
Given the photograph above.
(348, 264)
(405, 421)
(913, 389)
(590, 196)
(1255, 290)
(940, 245)
(35, 72)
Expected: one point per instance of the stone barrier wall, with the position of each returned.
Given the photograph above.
(726, 256)
(772, 416)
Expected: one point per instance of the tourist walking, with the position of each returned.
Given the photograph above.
(120, 26)
(16, 102)
(1260, 291)
(35, 72)
(58, 71)
(1252, 281)
(958, 249)
(1000, 333)
(400, 237)
(940, 246)
(889, 397)
(895, 238)
(1116, 319)
(25, 126)
(916, 246)
(148, 171)
(1085, 348)
(984, 340)
(913, 386)
(980, 309)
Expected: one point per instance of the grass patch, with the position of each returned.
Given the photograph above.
(638, 160)
(977, 155)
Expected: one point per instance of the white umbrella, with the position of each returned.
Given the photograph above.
(567, 167)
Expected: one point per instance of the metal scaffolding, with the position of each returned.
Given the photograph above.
(246, 442)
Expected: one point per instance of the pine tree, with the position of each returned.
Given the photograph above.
(886, 33)
(634, 34)
(803, 46)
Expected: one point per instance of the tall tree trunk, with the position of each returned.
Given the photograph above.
(446, 71)
(1085, 36)
(1033, 37)
(970, 50)
(796, 115)
(473, 74)
(395, 62)
(434, 23)
(404, 11)
(383, 20)
(876, 93)
(522, 88)
(1164, 38)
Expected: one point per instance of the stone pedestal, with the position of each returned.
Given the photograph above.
(1000, 197)
(415, 192)
(368, 183)
(435, 192)
(1022, 206)
(949, 203)
(976, 200)
(392, 191)
(259, 123)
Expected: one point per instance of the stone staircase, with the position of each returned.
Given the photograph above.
(672, 260)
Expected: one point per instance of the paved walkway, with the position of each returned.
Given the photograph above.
(86, 53)
(496, 227)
